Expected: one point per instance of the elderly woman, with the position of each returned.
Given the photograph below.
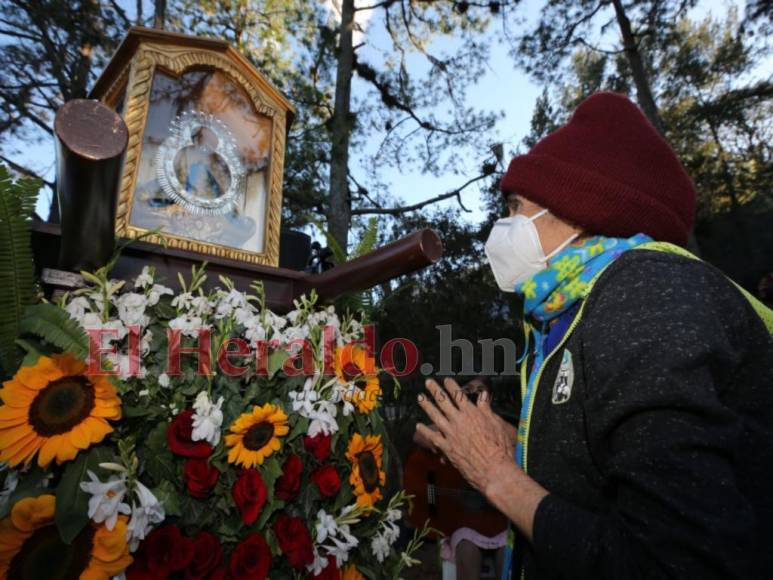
(645, 442)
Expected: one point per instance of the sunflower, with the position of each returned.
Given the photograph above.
(351, 573)
(354, 366)
(255, 435)
(364, 453)
(52, 408)
(30, 546)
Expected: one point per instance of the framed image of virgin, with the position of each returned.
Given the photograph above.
(206, 147)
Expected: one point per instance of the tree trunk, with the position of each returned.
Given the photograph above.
(139, 13)
(160, 14)
(643, 90)
(339, 214)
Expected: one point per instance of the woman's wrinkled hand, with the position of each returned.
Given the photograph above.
(473, 438)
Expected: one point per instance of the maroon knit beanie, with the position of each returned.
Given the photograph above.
(609, 171)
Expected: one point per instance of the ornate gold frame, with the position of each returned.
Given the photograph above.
(178, 59)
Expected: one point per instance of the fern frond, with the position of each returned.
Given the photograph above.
(17, 279)
(55, 326)
(369, 239)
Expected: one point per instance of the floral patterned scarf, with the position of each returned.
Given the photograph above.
(557, 288)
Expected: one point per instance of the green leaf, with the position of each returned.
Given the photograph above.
(269, 509)
(368, 240)
(55, 326)
(132, 412)
(169, 497)
(17, 279)
(301, 427)
(156, 457)
(72, 503)
(275, 361)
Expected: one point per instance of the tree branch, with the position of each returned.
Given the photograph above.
(406, 208)
(25, 171)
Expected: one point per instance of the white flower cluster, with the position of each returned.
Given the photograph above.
(320, 398)
(207, 419)
(106, 503)
(333, 538)
(320, 411)
(89, 311)
(387, 534)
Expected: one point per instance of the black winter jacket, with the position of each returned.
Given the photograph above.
(659, 463)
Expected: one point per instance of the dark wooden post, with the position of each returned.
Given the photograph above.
(408, 254)
(90, 142)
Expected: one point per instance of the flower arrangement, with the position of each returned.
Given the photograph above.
(198, 434)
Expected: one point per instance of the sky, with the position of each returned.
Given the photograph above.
(505, 88)
(502, 88)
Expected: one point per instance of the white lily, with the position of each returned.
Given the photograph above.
(207, 419)
(106, 500)
(146, 512)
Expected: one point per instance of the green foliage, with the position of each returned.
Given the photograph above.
(71, 501)
(155, 456)
(56, 327)
(358, 301)
(17, 281)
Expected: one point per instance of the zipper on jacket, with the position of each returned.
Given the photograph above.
(533, 397)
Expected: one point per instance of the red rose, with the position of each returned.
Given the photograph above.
(288, 485)
(200, 477)
(206, 557)
(251, 559)
(250, 493)
(327, 480)
(329, 572)
(178, 436)
(164, 551)
(318, 446)
(294, 541)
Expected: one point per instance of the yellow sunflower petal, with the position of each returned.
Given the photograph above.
(66, 450)
(22, 453)
(79, 436)
(11, 538)
(31, 513)
(68, 364)
(40, 374)
(103, 388)
(107, 412)
(351, 573)
(110, 545)
(13, 434)
(11, 414)
(97, 428)
(15, 394)
(48, 451)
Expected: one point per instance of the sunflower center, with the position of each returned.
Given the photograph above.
(62, 405)
(350, 371)
(45, 555)
(258, 436)
(368, 470)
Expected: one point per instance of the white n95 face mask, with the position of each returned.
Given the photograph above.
(515, 252)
